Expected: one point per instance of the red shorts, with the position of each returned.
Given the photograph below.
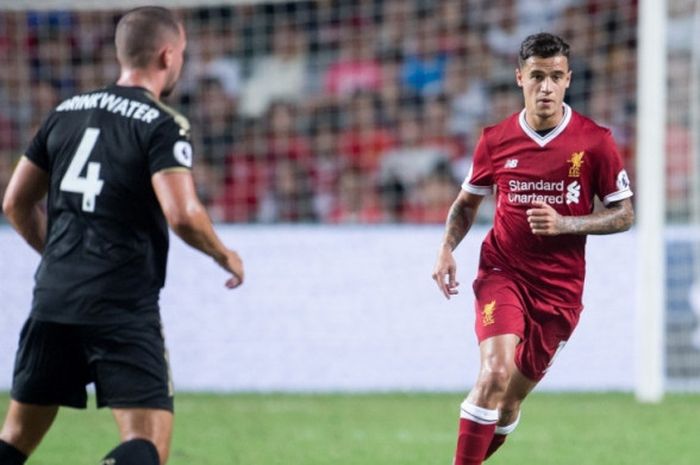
(506, 306)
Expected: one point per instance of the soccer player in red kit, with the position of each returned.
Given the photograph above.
(547, 163)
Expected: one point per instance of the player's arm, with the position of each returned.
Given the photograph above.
(188, 218)
(459, 221)
(21, 204)
(615, 217)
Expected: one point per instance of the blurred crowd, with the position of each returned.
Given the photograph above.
(332, 111)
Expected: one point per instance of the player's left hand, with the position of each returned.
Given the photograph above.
(544, 220)
(232, 263)
(445, 273)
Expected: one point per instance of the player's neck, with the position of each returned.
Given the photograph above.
(139, 78)
(539, 123)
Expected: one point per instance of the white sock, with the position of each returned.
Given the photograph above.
(508, 428)
(478, 414)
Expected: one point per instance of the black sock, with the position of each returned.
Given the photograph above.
(10, 455)
(134, 452)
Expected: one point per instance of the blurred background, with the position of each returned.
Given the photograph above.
(326, 111)
(312, 114)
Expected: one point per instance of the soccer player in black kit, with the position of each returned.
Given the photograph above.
(115, 164)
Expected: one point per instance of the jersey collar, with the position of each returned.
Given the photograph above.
(544, 140)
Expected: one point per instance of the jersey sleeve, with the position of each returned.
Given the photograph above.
(170, 146)
(479, 181)
(37, 151)
(611, 181)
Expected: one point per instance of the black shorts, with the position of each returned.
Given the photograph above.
(127, 362)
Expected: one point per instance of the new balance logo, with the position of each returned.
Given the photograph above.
(512, 163)
(573, 192)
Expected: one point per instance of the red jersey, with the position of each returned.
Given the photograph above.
(565, 168)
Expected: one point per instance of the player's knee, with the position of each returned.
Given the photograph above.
(494, 380)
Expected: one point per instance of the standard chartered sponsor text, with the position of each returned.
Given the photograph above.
(541, 185)
(530, 198)
(516, 186)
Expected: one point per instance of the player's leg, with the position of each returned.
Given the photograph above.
(145, 435)
(132, 378)
(509, 409)
(25, 426)
(518, 389)
(549, 327)
(50, 370)
(497, 364)
(500, 326)
(479, 411)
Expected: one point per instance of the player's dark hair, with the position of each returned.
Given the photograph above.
(141, 32)
(543, 45)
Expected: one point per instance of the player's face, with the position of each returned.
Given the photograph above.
(177, 60)
(544, 82)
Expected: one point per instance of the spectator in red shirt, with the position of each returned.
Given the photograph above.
(357, 68)
(364, 140)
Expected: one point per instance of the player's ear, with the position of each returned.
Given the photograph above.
(165, 57)
(519, 77)
(568, 78)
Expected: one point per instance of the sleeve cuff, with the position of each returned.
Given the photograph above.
(172, 169)
(478, 190)
(617, 196)
(35, 162)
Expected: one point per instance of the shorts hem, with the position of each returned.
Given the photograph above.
(525, 373)
(520, 334)
(159, 405)
(29, 400)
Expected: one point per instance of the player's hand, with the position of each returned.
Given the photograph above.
(544, 220)
(445, 273)
(232, 263)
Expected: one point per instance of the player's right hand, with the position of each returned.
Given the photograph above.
(232, 263)
(445, 273)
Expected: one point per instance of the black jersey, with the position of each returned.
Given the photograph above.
(107, 242)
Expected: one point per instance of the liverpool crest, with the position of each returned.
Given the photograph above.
(576, 161)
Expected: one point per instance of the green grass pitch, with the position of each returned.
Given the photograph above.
(392, 429)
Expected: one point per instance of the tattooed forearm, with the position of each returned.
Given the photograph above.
(457, 225)
(460, 219)
(615, 218)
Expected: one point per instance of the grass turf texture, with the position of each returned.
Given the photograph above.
(396, 429)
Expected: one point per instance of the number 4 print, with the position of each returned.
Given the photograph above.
(89, 185)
